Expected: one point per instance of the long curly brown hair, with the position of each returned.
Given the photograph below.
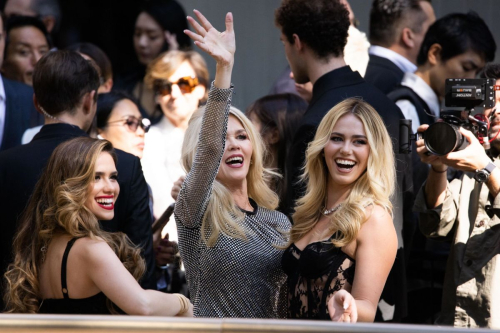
(57, 207)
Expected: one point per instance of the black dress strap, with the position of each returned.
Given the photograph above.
(63, 267)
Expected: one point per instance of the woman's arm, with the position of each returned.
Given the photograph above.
(375, 253)
(112, 278)
(195, 192)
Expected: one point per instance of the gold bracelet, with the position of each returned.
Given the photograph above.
(184, 304)
(432, 167)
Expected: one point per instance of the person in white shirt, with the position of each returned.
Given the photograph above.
(179, 80)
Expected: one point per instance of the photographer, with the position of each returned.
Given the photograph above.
(466, 212)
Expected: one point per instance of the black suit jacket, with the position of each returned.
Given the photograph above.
(329, 90)
(383, 74)
(21, 167)
(20, 113)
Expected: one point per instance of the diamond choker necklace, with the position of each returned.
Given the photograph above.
(331, 210)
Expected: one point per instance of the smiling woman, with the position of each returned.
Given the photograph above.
(78, 188)
(344, 219)
(230, 236)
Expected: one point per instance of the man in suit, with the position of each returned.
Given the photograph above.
(65, 86)
(314, 34)
(397, 29)
(17, 111)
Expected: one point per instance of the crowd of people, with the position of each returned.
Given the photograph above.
(148, 193)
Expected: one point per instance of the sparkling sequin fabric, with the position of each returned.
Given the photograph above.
(234, 278)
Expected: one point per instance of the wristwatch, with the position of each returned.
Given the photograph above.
(482, 175)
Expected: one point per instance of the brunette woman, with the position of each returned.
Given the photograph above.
(64, 262)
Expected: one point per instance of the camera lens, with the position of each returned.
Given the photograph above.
(442, 138)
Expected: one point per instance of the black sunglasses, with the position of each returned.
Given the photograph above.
(133, 123)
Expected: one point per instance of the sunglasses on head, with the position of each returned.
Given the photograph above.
(133, 123)
(186, 85)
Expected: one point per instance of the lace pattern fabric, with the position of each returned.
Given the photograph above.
(234, 278)
(315, 274)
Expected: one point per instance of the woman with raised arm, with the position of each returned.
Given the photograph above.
(343, 242)
(64, 262)
(229, 233)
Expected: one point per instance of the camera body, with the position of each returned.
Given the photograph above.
(444, 135)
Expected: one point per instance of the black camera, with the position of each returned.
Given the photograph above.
(443, 136)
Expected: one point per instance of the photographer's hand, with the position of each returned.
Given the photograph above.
(472, 158)
(423, 153)
(435, 187)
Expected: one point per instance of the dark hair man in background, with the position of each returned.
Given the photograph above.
(17, 112)
(397, 29)
(455, 46)
(65, 86)
(26, 41)
(314, 33)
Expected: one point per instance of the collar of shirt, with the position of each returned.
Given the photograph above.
(422, 89)
(404, 64)
(2, 90)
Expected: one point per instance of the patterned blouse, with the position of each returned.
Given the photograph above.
(235, 277)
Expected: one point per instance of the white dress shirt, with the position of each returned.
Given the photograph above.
(162, 167)
(2, 109)
(424, 91)
(404, 64)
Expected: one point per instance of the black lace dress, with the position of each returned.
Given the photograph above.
(315, 274)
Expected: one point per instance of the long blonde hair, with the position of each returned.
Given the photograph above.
(375, 186)
(57, 206)
(222, 214)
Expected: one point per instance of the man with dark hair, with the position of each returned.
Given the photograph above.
(466, 212)
(455, 46)
(48, 11)
(314, 34)
(397, 29)
(65, 86)
(26, 41)
(17, 111)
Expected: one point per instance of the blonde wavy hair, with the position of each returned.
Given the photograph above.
(375, 186)
(166, 63)
(222, 214)
(57, 206)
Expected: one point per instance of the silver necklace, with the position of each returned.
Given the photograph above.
(331, 210)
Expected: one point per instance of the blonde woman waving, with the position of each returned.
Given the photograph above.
(229, 233)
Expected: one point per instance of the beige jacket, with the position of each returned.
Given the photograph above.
(471, 294)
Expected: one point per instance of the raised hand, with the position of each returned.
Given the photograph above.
(342, 307)
(220, 45)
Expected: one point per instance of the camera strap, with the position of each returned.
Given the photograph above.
(474, 204)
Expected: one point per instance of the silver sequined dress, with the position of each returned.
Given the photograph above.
(234, 278)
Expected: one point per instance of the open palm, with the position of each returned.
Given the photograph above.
(220, 45)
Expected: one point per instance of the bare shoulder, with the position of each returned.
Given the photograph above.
(92, 249)
(379, 223)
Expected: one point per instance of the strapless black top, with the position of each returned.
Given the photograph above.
(315, 274)
(91, 305)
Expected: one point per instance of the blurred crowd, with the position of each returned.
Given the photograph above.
(303, 206)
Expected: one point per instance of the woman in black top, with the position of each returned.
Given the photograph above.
(343, 241)
(78, 188)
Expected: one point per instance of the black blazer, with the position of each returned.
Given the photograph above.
(383, 74)
(20, 113)
(21, 167)
(329, 90)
